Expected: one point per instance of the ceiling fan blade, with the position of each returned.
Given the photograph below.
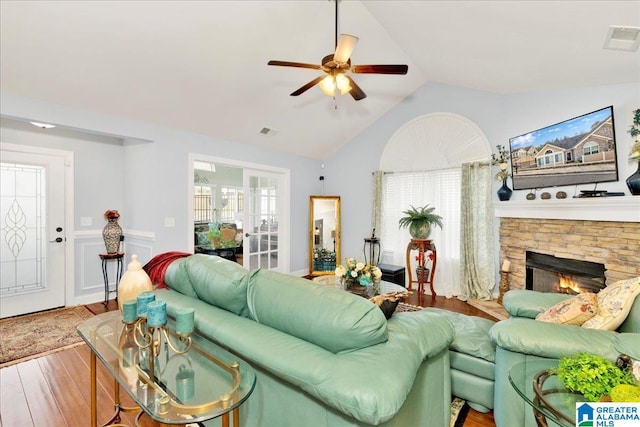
(380, 69)
(346, 44)
(308, 86)
(295, 64)
(356, 92)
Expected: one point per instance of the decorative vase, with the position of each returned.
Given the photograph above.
(504, 192)
(420, 231)
(112, 233)
(633, 182)
(134, 281)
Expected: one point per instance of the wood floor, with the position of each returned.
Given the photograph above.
(53, 390)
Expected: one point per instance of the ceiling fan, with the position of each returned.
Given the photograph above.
(337, 66)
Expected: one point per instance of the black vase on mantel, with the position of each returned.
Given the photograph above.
(504, 192)
(633, 182)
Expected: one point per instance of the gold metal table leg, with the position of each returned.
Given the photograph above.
(94, 405)
(236, 417)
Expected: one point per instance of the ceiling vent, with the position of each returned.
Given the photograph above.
(622, 38)
(267, 131)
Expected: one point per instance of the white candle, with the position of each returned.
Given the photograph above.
(506, 265)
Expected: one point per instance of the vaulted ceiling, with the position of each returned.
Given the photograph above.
(201, 66)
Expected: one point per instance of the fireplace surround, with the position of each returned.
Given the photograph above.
(605, 230)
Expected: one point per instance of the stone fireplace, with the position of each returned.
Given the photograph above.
(604, 231)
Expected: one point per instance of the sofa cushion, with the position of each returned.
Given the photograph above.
(328, 317)
(526, 303)
(177, 278)
(219, 282)
(572, 311)
(614, 304)
(471, 334)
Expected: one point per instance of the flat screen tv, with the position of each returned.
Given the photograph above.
(581, 150)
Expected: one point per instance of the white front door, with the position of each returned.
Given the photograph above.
(33, 238)
(263, 220)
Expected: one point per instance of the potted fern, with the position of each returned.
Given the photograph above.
(419, 221)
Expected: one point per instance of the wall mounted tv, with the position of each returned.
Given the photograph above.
(576, 151)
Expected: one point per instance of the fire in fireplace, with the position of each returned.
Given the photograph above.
(547, 273)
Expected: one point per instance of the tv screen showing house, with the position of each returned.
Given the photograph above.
(581, 150)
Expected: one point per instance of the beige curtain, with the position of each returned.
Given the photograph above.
(476, 239)
(377, 201)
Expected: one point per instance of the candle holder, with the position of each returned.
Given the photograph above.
(504, 285)
(150, 338)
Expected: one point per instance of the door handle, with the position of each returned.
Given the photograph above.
(246, 235)
(58, 240)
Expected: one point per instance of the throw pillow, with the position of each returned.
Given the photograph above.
(614, 304)
(572, 311)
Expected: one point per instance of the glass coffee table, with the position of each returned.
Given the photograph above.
(202, 383)
(546, 394)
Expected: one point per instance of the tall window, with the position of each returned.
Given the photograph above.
(439, 189)
(203, 203)
(231, 203)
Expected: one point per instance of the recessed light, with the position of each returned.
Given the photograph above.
(43, 125)
(622, 38)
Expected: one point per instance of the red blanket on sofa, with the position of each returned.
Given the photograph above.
(157, 266)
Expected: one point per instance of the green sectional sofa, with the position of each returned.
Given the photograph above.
(521, 338)
(322, 356)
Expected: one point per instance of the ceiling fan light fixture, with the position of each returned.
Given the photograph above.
(328, 85)
(345, 47)
(342, 82)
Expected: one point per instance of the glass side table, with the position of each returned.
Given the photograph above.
(546, 394)
(203, 383)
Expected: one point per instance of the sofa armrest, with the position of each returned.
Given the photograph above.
(553, 341)
(525, 303)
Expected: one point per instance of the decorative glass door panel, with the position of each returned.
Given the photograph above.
(32, 238)
(262, 216)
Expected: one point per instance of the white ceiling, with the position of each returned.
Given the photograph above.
(201, 66)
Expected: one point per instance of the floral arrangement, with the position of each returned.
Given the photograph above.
(356, 271)
(634, 131)
(111, 214)
(502, 159)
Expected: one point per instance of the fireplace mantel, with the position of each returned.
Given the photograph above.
(617, 209)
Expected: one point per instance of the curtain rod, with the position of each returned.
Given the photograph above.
(480, 163)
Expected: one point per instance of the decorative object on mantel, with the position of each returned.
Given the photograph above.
(112, 232)
(633, 182)
(502, 159)
(545, 196)
(561, 195)
(419, 221)
(531, 195)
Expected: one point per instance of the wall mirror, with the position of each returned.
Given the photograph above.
(324, 234)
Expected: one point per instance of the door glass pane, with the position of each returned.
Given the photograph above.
(23, 228)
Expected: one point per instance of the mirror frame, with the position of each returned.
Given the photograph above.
(312, 219)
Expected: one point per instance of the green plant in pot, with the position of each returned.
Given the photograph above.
(419, 221)
(592, 376)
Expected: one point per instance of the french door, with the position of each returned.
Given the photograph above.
(32, 230)
(263, 220)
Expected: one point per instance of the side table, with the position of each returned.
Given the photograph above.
(426, 250)
(105, 260)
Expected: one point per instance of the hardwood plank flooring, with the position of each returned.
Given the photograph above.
(54, 390)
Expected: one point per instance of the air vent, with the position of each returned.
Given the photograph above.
(267, 131)
(622, 38)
